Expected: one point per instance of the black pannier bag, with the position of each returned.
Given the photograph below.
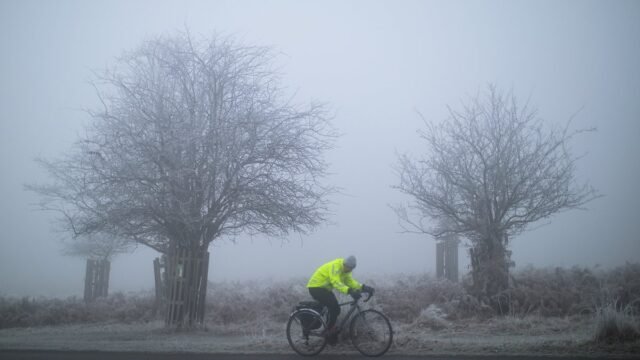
(309, 321)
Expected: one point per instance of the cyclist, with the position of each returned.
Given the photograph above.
(335, 274)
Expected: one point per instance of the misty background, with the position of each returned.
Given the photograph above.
(376, 63)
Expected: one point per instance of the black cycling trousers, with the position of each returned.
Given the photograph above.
(328, 299)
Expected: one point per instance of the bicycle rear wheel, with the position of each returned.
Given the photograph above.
(305, 332)
(371, 333)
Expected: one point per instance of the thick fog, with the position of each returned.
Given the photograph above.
(376, 63)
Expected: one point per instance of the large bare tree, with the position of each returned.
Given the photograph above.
(195, 141)
(490, 170)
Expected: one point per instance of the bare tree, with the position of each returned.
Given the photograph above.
(195, 141)
(97, 246)
(490, 170)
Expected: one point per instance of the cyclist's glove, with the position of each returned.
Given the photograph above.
(355, 294)
(368, 289)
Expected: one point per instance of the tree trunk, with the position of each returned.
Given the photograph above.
(187, 269)
(490, 272)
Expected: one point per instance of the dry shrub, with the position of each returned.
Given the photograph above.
(433, 318)
(616, 324)
(28, 312)
(404, 297)
(623, 284)
(253, 302)
(546, 292)
(551, 292)
(563, 292)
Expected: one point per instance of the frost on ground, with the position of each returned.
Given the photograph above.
(530, 335)
(111, 337)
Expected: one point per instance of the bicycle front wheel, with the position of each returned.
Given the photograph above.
(371, 333)
(305, 332)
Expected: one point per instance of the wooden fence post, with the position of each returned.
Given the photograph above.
(88, 281)
(451, 259)
(447, 258)
(439, 259)
(158, 270)
(204, 268)
(105, 268)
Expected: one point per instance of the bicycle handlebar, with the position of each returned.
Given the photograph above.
(355, 301)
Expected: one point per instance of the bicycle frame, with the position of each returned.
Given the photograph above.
(355, 307)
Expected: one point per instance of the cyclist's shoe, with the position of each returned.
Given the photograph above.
(328, 331)
(331, 335)
(332, 339)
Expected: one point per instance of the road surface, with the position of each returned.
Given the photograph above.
(99, 355)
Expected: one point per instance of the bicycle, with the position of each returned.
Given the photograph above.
(370, 330)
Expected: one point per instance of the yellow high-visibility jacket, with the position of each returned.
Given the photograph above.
(332, 276)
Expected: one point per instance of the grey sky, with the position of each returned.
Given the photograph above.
(375, 63)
